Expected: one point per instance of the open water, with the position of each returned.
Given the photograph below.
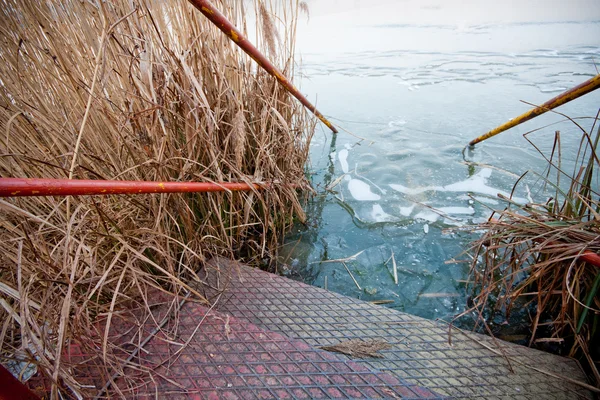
(418, 80)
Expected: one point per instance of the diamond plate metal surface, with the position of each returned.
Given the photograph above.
(226, 357)
(201, 353)
(260, 340)
(421, 354)
(129, 328)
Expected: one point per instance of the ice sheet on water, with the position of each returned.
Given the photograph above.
(551, 89)
(475, 184)
(362, 191)
(456, 216)
(398, 122)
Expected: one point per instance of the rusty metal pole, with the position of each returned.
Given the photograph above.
(234, 34)
(19, 187)
(571, 94)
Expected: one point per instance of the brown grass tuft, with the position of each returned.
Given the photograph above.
(131, 90)
(531, 259)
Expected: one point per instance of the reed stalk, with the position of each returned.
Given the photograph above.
(542, 258)
(141, 90)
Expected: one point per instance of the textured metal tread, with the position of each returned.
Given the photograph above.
(421, 354)
(201, 353)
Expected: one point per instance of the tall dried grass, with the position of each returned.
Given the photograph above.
(530, 257)
(133, 90)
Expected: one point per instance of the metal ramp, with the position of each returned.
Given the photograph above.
(261, 340)
(468, 368)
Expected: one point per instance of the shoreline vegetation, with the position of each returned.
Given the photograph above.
(539, 262)
(153, 91)
(142, 90)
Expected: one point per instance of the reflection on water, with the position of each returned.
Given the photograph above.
(418, 82)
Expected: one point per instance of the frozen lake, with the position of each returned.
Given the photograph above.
(418, 80)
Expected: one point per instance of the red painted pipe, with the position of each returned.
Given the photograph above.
(588, 256)
(16, 187)
(592, 258)
(234, 34)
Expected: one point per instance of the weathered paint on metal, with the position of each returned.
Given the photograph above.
(19, 187)
(216, 17)
(571, 94)
(12, 388)
(592, 258)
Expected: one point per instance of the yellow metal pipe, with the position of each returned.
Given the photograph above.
(571, 94)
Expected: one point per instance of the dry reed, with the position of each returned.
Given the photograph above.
(133, 90)
(530, 258)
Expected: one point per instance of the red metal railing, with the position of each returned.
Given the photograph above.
(18, 187)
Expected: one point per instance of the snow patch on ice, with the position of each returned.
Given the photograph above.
(379, 215)
(452, 222)
(343, 156)
(361, 191)
(406, 211)
(486, 200)
(475, 184)
(457, 210)
(407, 190)
(427, 215)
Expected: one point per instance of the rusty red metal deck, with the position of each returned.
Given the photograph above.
(261, 339)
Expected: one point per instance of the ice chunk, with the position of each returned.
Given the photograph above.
(426, 228)
(379, 215)
(407, 190)
(427, 215)
(452, 222)
(485, 200)
(406, 211)
(475, 184)
(343, 156)
(361, 191)
(398, 122)
(478, 184)
(457, 210)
